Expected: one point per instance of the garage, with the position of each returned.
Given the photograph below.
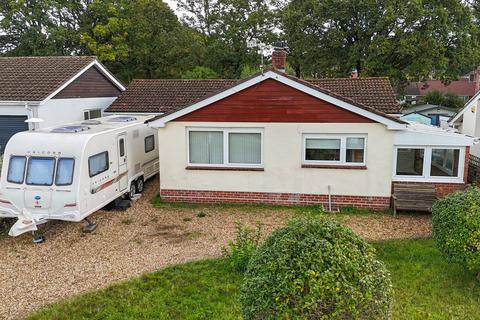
(9, 125)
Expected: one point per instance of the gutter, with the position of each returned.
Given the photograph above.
(19, 103)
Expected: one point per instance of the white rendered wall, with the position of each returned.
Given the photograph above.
(282, 151)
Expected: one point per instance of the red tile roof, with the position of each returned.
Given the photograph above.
(459, 87)
(167, 96)
(35, 78)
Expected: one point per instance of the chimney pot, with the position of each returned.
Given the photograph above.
(279, 56)
(354, 73)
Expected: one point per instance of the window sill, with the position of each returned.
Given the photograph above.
(224, 168)
(328, 166)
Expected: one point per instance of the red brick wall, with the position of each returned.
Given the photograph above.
(204, 196)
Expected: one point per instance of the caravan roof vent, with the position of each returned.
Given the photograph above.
(92, 122)
(70, 129)
(123, 119)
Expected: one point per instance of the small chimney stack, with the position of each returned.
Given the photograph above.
(354, 73)
(279, 56)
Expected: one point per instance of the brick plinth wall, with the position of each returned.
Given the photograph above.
(202, 196)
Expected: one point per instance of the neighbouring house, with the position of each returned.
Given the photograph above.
(273, 138)
(467, 121)
(466, 87)
(428, 114)
(58, 89)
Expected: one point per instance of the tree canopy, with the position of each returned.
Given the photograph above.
(410, 40)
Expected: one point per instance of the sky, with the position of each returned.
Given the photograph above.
(171, 3)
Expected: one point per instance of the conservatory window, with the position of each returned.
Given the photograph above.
(410, 162)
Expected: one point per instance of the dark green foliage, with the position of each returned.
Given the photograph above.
(200, 73)
(456, 228)
(436, 97)
(240, 251)
(316, 269)
(399, 39)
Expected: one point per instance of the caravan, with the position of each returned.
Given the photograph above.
(70, 171)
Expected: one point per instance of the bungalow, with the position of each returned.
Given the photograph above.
(274, 138)
(39, 92)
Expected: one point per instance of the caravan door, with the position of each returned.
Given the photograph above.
(122, 162)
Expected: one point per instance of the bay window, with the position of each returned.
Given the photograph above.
(429, 163)
(225, 147)
(334, 149)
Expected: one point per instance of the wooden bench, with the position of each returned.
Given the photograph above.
(413, 197)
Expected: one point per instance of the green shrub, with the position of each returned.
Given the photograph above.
(316, 269)
(6, 224)
(240, 251)
(456, 228)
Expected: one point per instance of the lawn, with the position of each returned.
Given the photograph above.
(425, 288)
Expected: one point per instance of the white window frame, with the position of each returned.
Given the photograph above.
(226, 163)
(343, 150)
(427, 161)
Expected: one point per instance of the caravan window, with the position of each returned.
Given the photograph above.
(16, 169)
(98, 163)
(64, 172)
(40, 171)
(149, 143)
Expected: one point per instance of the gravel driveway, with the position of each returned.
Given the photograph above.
(139, 240)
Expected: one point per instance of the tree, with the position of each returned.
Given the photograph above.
(402, 40)
(32, 27)
(140, 38)
(449, 99)
(434, 97)
(231, 30)
(200, 73)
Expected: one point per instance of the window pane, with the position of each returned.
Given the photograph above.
(40, 171)
(86, 115)
(16, 169)
(97, 113)
(355, 149)
(149, 143)
(64, 172)
(121, 145)
(322, 149)
(245, 148)
(445, 162)
(410, 162)
(98, 163)
(206, 147)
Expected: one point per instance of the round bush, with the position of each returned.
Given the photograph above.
(456, 228)
(316, 269)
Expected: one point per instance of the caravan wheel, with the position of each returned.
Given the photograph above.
(132, 191)
(140, 185)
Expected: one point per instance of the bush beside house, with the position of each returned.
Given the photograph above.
(456, 228)
(316, 269)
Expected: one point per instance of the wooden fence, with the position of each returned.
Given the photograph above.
(473, 170)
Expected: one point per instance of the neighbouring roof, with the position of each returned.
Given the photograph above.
(427, 107)
(167, 96)
(35, 78)
(462, 87)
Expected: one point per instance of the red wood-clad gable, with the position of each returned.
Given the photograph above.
(272, 101)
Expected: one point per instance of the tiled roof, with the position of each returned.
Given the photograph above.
(461, 87)
(35, 78)
(167, 96)
(376, 93)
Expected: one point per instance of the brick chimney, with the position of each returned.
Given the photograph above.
(279, 56)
